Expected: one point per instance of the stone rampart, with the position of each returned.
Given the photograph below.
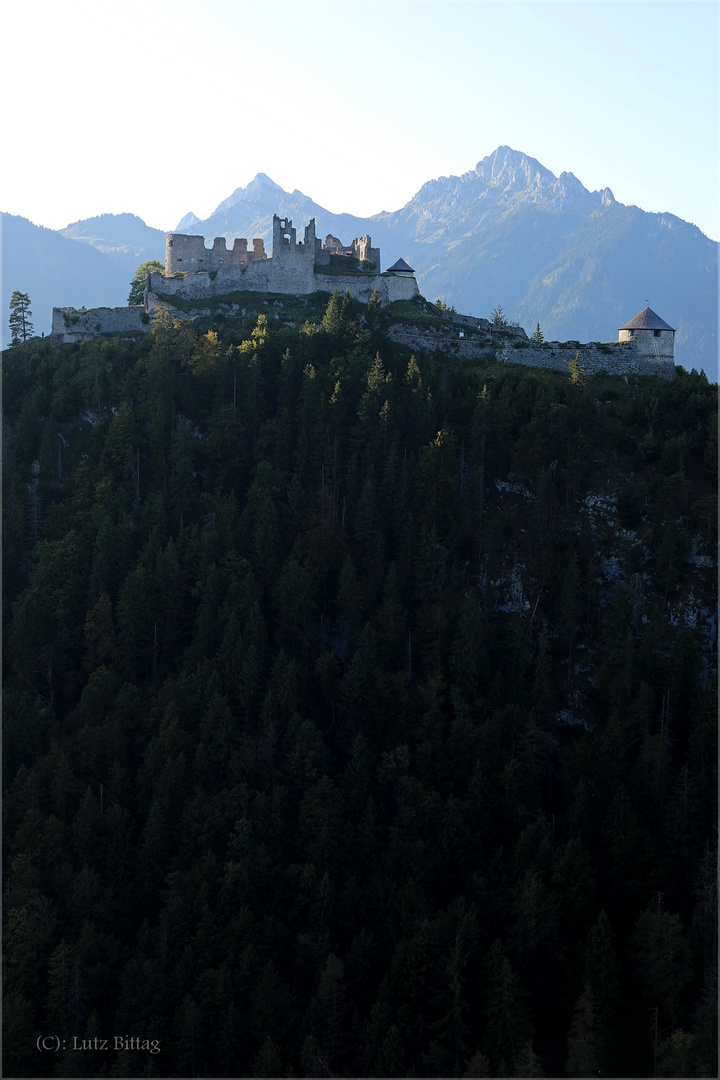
(69, 324)
(616, 358)
(188, 254)
(448, 339)
(292, 274)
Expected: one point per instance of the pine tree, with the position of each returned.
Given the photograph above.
(577, 371)
(661, 952)
(506, 1023)
(268, 1060)
(527, 1062)
(21, 329)
(537, 336)
(585, 1041)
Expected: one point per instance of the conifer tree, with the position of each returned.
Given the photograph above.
(585, 1041)
(662, 957)
(21, 329)
(577, 371)
(527, 1062)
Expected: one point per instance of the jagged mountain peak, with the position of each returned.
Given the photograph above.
(257, 189)
(186, 222)
(512, 170)
(505, 173)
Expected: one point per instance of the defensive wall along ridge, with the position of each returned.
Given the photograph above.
(302, 267)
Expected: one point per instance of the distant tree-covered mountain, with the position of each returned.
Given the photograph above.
(125, 236)
(56, 272)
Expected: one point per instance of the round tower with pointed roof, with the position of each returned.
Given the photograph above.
(651, 336)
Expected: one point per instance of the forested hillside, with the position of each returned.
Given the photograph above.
(360, 708)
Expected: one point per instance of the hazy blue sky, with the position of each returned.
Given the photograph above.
(166, 106)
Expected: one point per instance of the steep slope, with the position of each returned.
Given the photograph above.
(360, 707)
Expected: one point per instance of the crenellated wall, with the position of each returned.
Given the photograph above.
(291, 270)
(188, 254)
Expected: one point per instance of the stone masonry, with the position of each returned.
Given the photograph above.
(615, 357)
(302, 267)
(188, 253)
(296, 268)
(70, 324)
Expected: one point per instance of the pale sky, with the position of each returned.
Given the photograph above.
(162, 107)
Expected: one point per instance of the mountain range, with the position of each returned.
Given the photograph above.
(507, 232)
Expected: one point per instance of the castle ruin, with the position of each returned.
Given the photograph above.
(303, 267)
(188, 254)
(296, 267)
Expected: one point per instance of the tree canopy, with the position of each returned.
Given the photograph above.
(359, 706)
(21, 328)
(137, 285)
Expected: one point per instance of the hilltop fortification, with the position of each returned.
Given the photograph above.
(194, 272)
(296, 267)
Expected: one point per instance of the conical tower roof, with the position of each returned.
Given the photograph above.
(647, 320)
(401, 267)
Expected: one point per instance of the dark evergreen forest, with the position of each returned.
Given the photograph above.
(359, 711)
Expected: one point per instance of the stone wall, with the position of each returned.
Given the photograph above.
(616, 358)
(512, 346)
(361, 248)
(188, 253)
(477, 340)
(656, 344)
(481, 345)
(291, 273)
(390, 287)
(69, 324)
